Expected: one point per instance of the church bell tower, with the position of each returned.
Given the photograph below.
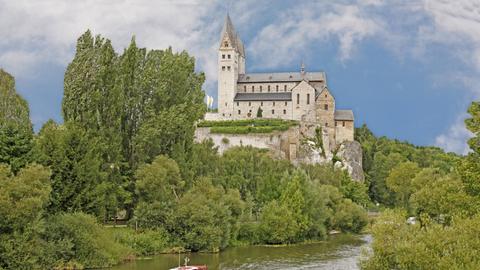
(231, 63)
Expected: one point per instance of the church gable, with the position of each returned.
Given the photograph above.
(325, 95)
(303, 86)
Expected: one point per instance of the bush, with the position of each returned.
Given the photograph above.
(79, 239)
(278, 224)
(249, 232)
(349, 217)
(146, 242)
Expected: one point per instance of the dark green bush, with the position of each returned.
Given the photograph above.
(145, 242)
(81, 240)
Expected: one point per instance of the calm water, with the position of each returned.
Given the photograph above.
(340, 252)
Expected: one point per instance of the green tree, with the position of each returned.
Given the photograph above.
(22, 201)
(444, 197)
(76, 239)
(278, 224)
(382, 165)
(79, 180)
(158, 188)
(349, 217)
(469, 167)
(206, 217)
(473, 124)
(23, 197)
(398, 245)
(400, 179)
(259, 112)
(16, 132)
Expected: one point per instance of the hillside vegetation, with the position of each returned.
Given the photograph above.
(126, 151)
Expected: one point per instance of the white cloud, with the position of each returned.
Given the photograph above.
(456, 24)
(455, 139)
(36, 32)
(304, 27)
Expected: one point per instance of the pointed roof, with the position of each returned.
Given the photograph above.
(229, 31)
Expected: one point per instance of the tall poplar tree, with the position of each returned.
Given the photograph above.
(16, 132)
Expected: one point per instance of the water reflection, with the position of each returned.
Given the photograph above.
(340, 252)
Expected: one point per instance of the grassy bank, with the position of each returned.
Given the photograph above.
(248, 126)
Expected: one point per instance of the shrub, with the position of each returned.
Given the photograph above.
(146, 242)
(249, 232)
(349, 217)
(81, 240)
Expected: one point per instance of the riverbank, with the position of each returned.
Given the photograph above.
(149, 243)
(340, 251)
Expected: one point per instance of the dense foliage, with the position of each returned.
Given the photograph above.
(398, 245)
(126, 150)
(441, 192)
(389, 165)
(244, 197)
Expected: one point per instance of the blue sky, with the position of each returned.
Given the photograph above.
(408, 69)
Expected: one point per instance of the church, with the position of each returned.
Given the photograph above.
(300, 95)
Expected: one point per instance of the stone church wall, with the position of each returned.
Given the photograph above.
(283, 144)
(344, 133)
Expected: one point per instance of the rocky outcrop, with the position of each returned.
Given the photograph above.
(350, 154)
(296, 145)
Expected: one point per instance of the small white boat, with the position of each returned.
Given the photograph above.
(189, 267)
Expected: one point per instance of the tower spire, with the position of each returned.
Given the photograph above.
(229, 32)
(302, 68)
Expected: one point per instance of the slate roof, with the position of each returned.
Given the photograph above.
(280, 77)
(346, 115)
(281, 96)
(229, 30)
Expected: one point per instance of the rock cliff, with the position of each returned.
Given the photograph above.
(295, 145)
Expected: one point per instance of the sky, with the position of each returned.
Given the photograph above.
(408, 69)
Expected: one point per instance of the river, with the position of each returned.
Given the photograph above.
(338, 253)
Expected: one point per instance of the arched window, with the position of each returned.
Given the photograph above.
(225, 44)
(326, 107)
